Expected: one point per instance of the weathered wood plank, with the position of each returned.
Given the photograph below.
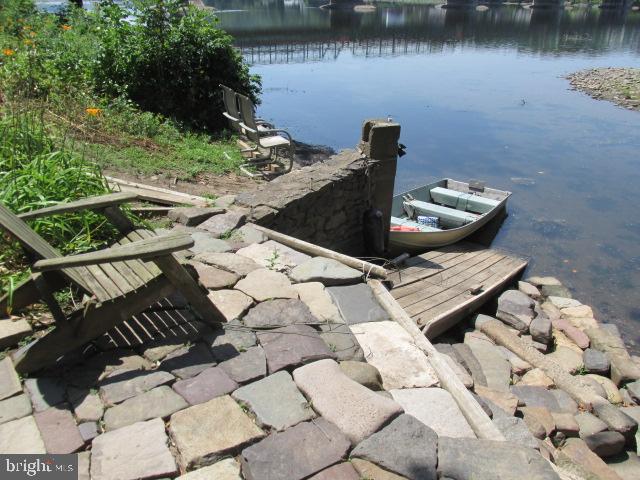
(430, 267)
(88, 203)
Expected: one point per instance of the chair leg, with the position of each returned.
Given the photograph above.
(185, 283)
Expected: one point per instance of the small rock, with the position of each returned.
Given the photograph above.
(12, 330)
(459, 370)
(394, 353)
(565, 402)
(291, 346)
(505, 400)
(406, 446)
(358, 304)
(626, 465)
(266, 284)
(633, 389)
(540, 328)
(622, 367)
(159, 402)
(207, 243)
(589, 424)
(496, 370)
(363, 373)
(476, 459)
(279, 313)
(211, 431)
(276, 401)
(120, 386)
(470, 362)
(563, 302)
(540, 281)
(225, 201)
(296, 453)
(249, 235)
(574, 334)
(14, 408)
(247, 366)
(273, 255)
(326, 271)
(138, 451)
(569, 360)
(341, 471)
(538, 418)
(357, 411)
(616, 420)
(581, 311)
(566, 423)
(515, 430)
(192, 216)
(536, 397)
(371, 471)
(231, 303)
(561, 340)
(188, 361)
(88, 431)
(611, 391)
(229, 261)
(592, 385)
(436, 408)
(45, 392)
(213, 278)
(555, 291)
(529, 290)
(219, 225)
(87, 406)
(210, 383)
(9, 380)
(316, 297)
(515, 309)
(59, 431)
(21, 436)
(518, 366)
(605, 444)
(577, 458)
(537, 378)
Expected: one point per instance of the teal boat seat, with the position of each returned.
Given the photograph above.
(463, 201)
(449, 217)
(405, 222)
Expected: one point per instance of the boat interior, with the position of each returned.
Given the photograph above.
(443, 205)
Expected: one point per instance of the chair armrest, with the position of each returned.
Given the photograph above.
(89, 203)
(276, 131)
(140, 250)
(248, 128)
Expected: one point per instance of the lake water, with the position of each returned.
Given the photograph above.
(479, 95)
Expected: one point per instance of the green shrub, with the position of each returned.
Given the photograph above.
(170, 59)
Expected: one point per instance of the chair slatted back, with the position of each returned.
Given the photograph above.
(247, 111)
(34, 243)
(231, 106)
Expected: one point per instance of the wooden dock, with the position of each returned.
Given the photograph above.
(439, 288)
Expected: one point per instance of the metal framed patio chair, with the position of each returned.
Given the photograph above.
(276, 141)
(118, 282)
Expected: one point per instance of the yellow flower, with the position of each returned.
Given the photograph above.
(28, 42)
(32, 34)
(66, 27)
(93, 112)
(8, 52)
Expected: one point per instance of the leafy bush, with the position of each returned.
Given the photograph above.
(170, 59)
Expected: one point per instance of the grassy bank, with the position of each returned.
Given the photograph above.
(83, 92)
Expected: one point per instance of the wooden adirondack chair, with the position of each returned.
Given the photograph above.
(119, 282)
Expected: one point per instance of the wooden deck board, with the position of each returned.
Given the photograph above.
(435, 288)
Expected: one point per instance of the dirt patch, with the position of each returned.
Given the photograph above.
(618, 85)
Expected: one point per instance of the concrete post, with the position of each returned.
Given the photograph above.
(380, 143)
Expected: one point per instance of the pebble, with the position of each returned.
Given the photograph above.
(566, 423)
(589, 424)
(574, 334)
(555, 291)
(192, 216)
(436, 408)
(567, 359)
(540, 281)
(539, 421)
(504, 400)
(138, 451)
(275, 401)
(563, 302)
(211, 431)
(357, 411)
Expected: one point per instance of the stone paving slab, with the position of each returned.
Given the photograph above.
(87, 406)
(221, 224)
(233, 338)
(246, 366)
(515, 430)
(21, 436)
(276, 401)
(406, 446)
(265, 284)
(393, 352)
(192, 216)
(228, 261)
(341, 471)
(496, 369)
(296, 453)
(341, 341)
(58, 430)
(325, 270)
(371, 471)
(357, 304)
(205, 242)
(355, 409)
(9, 380)
(291, 346)
(188, 361)
(475, 459)
(436, 408)
(159, 402)
(84, 465)
(45, 392)
(14, 408)
(210, 383)
(231, 303)
(274, 255)
(227, 469)
(120, 386)
(88, 431)
(12, 330)
(138, 451)
(317, 298)
(213, 278)
(211, 431)
(279, 313)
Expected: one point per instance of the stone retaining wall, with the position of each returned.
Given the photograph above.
(325, 203)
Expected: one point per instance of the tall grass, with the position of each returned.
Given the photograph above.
(38, 170)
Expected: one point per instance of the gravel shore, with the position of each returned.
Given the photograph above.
(618, 85)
